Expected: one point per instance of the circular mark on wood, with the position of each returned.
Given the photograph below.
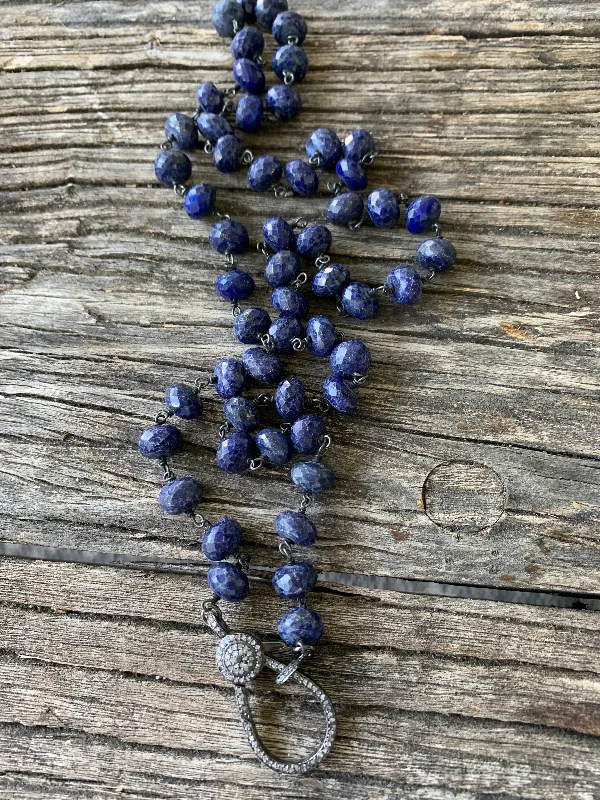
(463, 496)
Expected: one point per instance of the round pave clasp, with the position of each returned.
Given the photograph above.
(240, 657)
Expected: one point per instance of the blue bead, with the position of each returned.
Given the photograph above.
(345, 208)
(242, 414)
(213, 126)
(282, 268)
(227, 17)
(290, 58)
(358, 144)
(249, 113)
(284, 101)
(180, 496)
(209, 98)
(352, 174)
(289, 302)
(231, 377)
(228, 152)
(234, 453)
(199, 201)
(295, 580)
(235, 285)
(289, 25)
(422, 214)
(349, 358)
(325, 145)
(228, 236)
(160, 441)
(250, 325)
(181, 130)
(267, 11)
(228, 582)
(437, 254)
(301, 177)
(172, 167)
(383, 208)
(321, 336)
(248, 43)
(340, 395)
(359, 301)
(314, 241)
(222, 539)
(249, 76)
(274, 445)
(262, 366)
(279, 235)
(330, 280)
(296, 527)
(264, 173)
(307, 433)
(249, 7)
(406, 285)
(183, 401)
(283, 331)
(300, 625)
(289, 399)
(312, 476)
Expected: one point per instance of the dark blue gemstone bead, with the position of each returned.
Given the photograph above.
(300, 625)
(383, 208)
(312, 476)
(172, 167)
(235, 452)
(209, 98)
(183, 401)
(231, 377)
(284, 101)
(352, 174)
(330, 280)
(295, 580)
(296, 527)
(314, 241)
(358, 144)
(199, 201)
(235, 285)
(422, 214)
(307, 433)
(242, 414)
(437, 254)
(290, 58)
(406, 285)
(249, 76)
(289, 302)
(324, 144)
(213, 126)
(180, 496)
(345, 208)
(283, 331)
(222, 539)
(340, 395)
(274, 445)
(181, 130)
(250, 325)
(228, 236)
(282, 268)
(160, 441)
(359, 301)
(279, 235)
(264, 173)
(262, 366)
(227, 17)
(321, 336)
(267, 11)
(228, 152)
(289, 25)
(249, 113)
(289, 399)
(248, 43)
(228, 582)
(249, 7)
(301, 177)
(349, 358)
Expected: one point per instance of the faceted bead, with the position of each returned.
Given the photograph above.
(183, 401)
(340, 395)
(262, 366)
(353, 174)
(437, 254)
(282, 268)
(249, 113)
(289, 302)
(228, 236)
(274, 445)
(242, 414)
(312, 476)
(296, 527)
(222, 539)
(234, 453)
(290, 58)
(301, 177)
(422, 214)
(180, 496)
(307, 433)
(358, 144)
(231, 377)
(181, 130)
(227, 17)
(321, 336)
(359, 301)
(264, 173)
(330, 280)
(314, 241)
(172, 167)
(349, 358)
(228, 582)
(324, 144)
(345, 208)
(267, 11)
(383, 208)
(199, 201)
(250, 325)
(279, 235)
(235, 285)
(295, 580)
(213, 126)
(249, 7)
(209, 98)
(283, 331)
(406, 285)
(289, 399)
(228, 152)
(249, 76)
(289, 25)
(300, 625)
(284, 101)
(160, 441)
(248, 43)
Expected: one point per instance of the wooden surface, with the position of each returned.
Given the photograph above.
(473, 458)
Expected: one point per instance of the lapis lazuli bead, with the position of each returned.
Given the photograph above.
(405, 284)
(180, 496)
(248, 43)
(353, 174)
(351, 357)
(383, 208)
(228, 582)
(274, 445)
(329, 281)
(172, 167)
(249, 7)
(437, 254)
(279, 235)
(290, 59)
(289, 26)
(262, 366)
(296, 527)
(289, 399)
(302, 178)
(235, 285)
(249, 113)
(267, 11)
(160, 441)
(321, 336)
(209, 98)
(181, 131)
(314, 241)
(422, 214)
(222, 539)
(231, 377)
(242, 414)
(183, 401)
(325, 145)
(289, 302)
(283, 331)
(235, 452)
(250, 325)
(264, 173)
(228, 152)
(358, 144)
(282, 268)
(360, 301)
(228, 17)
(213, 126)
(228, 236)
(312, 476)
(199, 200)
(307, 433)
(340, 395)
(295, 580)
(249, 76)
(284, 101)
(300, 625)
(345, 208)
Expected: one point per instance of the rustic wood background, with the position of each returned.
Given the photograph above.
(473, 458)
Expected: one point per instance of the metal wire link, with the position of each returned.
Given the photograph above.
(403, 198)
(180, 190)
(256, 463)
(247, 157)
(236, 308)
(325, 445)
(358, 379)
(166, 145)
(268, 342)
(199, 520)
(369, 159)
(264, 400)
(162, 417)
(354, 226)
(280, 191)
(288, 77)
(322, 261)
(263, 249)
(316, 160)
(306, 501)
(168, 473)
(437, 230)
(242, 560)
(299, 223)
(204, 383)
(225, 429)
(334, 187)
(340, 308)
(299, 281)
(208, 148)
(220, 216)
(293, 40)
(299, 344)
(286, 551)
